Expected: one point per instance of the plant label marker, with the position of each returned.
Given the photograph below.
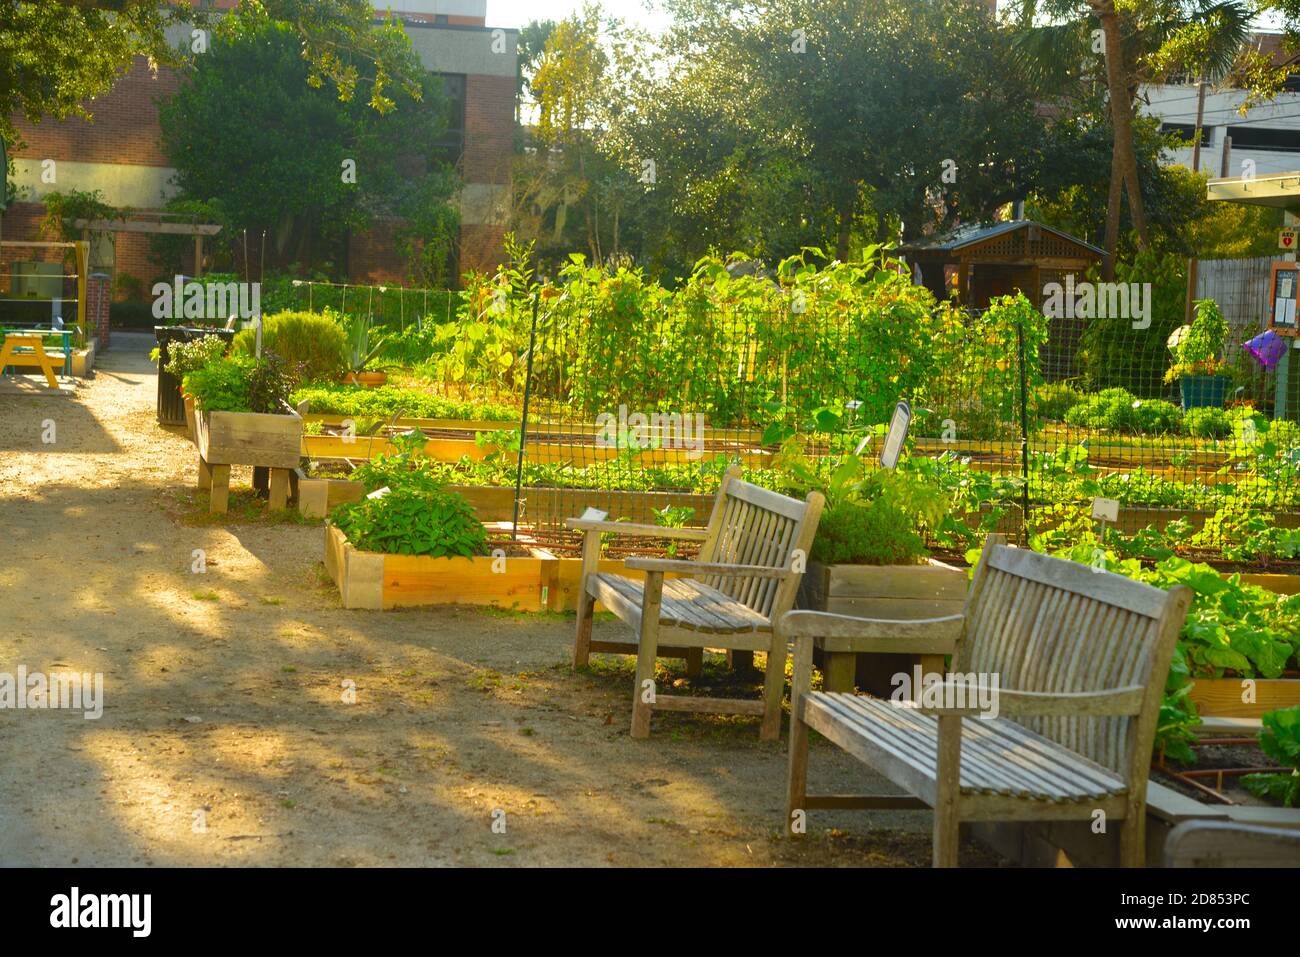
(896, 435)
(594, 515)
(1105, 509)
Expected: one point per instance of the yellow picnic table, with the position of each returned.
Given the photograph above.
(10, 356)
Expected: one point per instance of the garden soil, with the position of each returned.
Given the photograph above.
(248, 719)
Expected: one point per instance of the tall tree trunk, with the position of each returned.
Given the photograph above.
(1114, 200)
(1121, 117)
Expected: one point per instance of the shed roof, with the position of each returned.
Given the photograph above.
(972, 234)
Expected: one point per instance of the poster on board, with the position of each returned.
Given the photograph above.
(1282, 317)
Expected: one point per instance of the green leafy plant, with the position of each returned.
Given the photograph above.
(877, 532)
(1280, 740)
(388, 400)
(1197, 348)
(221, 385)
(1207, 423)
(413, 518)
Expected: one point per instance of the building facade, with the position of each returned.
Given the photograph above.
(119, 151)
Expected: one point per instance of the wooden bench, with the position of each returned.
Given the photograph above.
(37, 356)
(752, 556)
(1228, 844)
(1079, 657)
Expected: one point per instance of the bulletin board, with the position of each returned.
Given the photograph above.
(1282, 297)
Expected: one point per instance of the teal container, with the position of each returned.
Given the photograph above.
(1203, 391)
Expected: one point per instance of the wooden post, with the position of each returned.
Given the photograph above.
(647, 649)
(839, 669)
(220, 500)
(1281, 394)
(279, 497)
(198, 255)
(800, 685)
(947, 788)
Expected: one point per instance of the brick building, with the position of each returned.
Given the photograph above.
(119, 152)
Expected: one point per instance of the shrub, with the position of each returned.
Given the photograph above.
(1156, 416)
(413, 519)
(311, 344)
(875, 533)
(1207, 423)
(1197, 347)
(1054, 399)
(1118, 410)
(386, 401)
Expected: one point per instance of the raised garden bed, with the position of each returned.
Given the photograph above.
(895, 592)
(246, 438)
(376, 581)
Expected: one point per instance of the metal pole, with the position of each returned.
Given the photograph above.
(1024, 435)
(523, 421)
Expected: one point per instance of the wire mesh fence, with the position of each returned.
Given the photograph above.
(1024, 419)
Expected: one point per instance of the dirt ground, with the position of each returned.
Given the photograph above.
(225, 739)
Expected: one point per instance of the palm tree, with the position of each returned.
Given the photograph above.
(1137, 41)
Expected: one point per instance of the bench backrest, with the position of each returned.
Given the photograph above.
(755, 526)
(1050, 625)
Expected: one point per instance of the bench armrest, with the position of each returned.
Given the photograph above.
(632, 528)
(707, 568)
(924, 636)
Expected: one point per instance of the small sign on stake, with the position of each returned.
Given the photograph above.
(896, 435)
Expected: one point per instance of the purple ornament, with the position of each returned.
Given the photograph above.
(1267, 348)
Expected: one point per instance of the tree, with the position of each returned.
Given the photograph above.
(1070, 44)
(894, 115)
(266, 150)
(56, 55)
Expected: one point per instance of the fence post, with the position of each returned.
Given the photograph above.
(1024, 434)
(523, 421)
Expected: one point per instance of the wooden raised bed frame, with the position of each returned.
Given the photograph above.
(246, 438)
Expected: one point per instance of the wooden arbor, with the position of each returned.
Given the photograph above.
(1080, 658)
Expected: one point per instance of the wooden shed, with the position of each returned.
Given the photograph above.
(981, 261)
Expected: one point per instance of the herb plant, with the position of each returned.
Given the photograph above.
(413, 520)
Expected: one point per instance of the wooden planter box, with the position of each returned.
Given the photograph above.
(1221, 697)
(901, 592)
(376, 581)
(246, 438)
(249, 438)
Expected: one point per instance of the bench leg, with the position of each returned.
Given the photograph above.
(740, 662)
(773, 690)
(947, 790)
(839, 670)
(279, 494)
(797, 781)
(694, 662)
(582, 639)
(643, 690)
(586, 604)
(1132, 838)
(220, 500)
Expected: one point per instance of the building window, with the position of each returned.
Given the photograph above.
(1259, 138)
(451, 144)
(1187, 131)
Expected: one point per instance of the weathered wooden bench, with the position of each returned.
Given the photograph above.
(1079, 657)
(1229, 844)
(752, 555)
